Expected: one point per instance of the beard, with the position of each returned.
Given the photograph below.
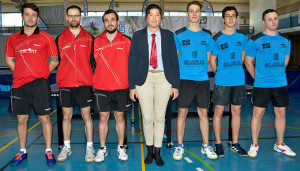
(74, 24)
(111, 31)
(28, 25)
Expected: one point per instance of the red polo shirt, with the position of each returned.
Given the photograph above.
(112, 62)
(75, 55)
(31, 55)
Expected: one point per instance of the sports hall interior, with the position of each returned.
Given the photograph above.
(250, 11)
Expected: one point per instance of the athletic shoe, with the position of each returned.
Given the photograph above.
(89, 154)
(177, 155)
(282, 148)
(253, 150)
(238, 149)
(63, 155)
(219, 150)
(18, 158)
(101, 153)
(50, 158)
(122, 153)
(207, 150)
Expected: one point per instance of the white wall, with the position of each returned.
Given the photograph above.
(256, 8)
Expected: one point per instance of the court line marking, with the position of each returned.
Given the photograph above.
(201, 160)
(10, 143)
(7, 118)
(293, 109)
(141, 140)
(188, 160)
(199, 169)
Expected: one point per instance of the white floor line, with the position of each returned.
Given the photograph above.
(188, 160)
(199, 169)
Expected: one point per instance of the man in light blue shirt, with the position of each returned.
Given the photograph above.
(229, 78)
(194, 45)
(271, 51)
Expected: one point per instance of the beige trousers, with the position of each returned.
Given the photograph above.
(153, 97)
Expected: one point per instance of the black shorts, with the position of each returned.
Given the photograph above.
(279, 97)
(193, 90)
(70, 96)
(119, 100)
(224, 95)
(35, 94)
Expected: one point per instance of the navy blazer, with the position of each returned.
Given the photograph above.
(138, 63)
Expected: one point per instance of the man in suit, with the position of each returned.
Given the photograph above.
(153, 74)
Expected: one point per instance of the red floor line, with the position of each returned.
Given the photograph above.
(7, 118)
(293, 110)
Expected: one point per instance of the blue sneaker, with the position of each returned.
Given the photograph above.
(50, 158)
(18, 159)
(238, 149)
(219, 149)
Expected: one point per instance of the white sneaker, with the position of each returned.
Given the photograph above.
(122, 153)
(63, 155)
(207, 150)
(89, 154)
(282, 148)
(177, 155)
(253, 150)
(101, 153)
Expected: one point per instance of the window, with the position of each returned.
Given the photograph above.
(11, 20)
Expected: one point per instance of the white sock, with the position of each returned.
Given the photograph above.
(89, 144)
(204, 145)
(67, 144)
(48, 150)
(119, 146)
(23, 150)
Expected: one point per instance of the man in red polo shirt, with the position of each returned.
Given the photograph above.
(74, 79)
(111, 50)
(26, 54)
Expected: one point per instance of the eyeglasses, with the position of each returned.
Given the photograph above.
(74, 16)
(230, 16)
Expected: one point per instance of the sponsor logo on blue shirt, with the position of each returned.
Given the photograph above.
(224, 46)
(186, 42)
(275, 56)
(195, 54)
(266, 45)
(283, 45)
(239, 43)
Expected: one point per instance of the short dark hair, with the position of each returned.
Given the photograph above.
(268, 11)
(153, 6)
(31, 6)
(73, 7)
(109, 12)
(229, 8)
(193, 3)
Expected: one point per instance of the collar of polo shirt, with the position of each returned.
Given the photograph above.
(36, 31)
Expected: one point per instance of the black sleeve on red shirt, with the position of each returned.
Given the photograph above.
(56, 42)
(92, 58)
